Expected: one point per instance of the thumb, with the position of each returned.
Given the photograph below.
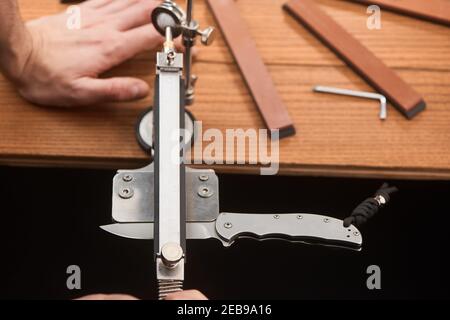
(93, 90)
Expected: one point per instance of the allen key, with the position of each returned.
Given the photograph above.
(359, 94)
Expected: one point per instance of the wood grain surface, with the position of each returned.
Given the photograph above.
(336, 136)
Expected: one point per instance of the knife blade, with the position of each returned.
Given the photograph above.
(144, 231)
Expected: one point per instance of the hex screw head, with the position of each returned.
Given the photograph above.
(205, 192)
(356, 233)
(299, 217)
(203, 177)
(127, 178)
(277, 216)
(126, 193)
(228, 225)
(326, 220)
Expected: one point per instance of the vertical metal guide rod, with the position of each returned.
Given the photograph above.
(169, 178)
(171, 96)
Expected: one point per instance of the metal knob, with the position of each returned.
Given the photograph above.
(207, 36)
(168, 14)
(171, 254)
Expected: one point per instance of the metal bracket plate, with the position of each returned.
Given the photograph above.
(133, 195)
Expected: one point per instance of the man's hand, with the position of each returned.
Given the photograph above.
(60, 67)
(109, 297)
(187, 295)
(182, 295)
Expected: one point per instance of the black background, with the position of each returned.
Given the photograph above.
(50, 220)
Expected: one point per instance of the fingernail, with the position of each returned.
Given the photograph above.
(135, 91)
(138, 91)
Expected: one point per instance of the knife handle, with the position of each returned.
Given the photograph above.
(293, 227)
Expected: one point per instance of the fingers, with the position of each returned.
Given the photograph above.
(125, 45)
(135, 41)
(140, 39)
(187, 295)
(119, 14)
(90, 91)
(107, 297)
(116, 6)
(181, 48)
(95, 4)
(134, 16)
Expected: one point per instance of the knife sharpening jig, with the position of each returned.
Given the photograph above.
(169, 202)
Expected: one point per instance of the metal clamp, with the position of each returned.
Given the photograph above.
(169, 15)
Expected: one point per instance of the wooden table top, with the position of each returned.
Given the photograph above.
(336, 136)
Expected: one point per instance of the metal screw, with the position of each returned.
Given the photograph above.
(326, 220)
(203, 177)
(299, 217)
(127, 178)
(356, 233)
(126, 193)
(276, 216)
(205, 192)
(207, 36)
(171, 254)
(170, 57)
(228, 225)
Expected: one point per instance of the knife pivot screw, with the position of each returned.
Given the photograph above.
(299, 217)
(228, 225)
(326, 220)
(127, 178)
(205, 192)
(126, 193)
(277, 216)
(203, 177)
